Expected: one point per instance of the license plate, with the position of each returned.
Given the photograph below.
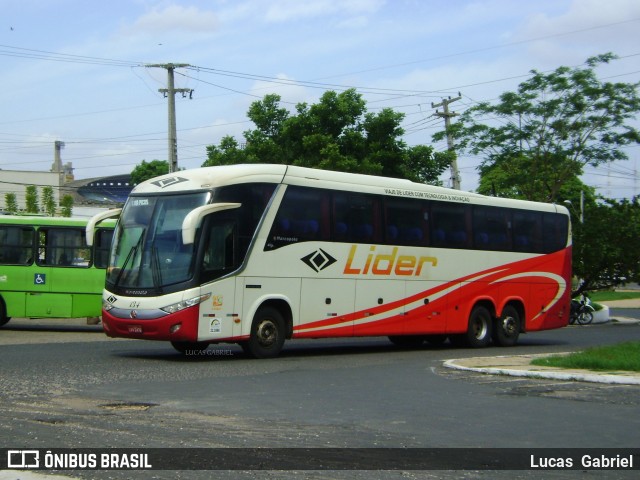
(135, 329)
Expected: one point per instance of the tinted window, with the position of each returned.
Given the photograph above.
(356, 218)
(527, 231)
(491, 228)
(449, 225)
(555, 229)
(303, 216)
(406, 222)
(102, 244)
(17, 245)
(63, 247)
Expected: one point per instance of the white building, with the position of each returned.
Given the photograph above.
(17, 181)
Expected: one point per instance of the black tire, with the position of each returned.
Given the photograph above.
(184, 347)
(479, 328)
(506, 329)
(267, 334)
(3, 314)
(407, 341)
(585, 318)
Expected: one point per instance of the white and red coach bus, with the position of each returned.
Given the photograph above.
(257, 254)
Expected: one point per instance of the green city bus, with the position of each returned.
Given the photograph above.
(47, 269)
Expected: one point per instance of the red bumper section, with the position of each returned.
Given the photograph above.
(181, 326)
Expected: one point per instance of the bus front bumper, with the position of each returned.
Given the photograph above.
(181, 326)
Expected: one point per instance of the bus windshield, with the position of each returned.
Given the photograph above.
(148, 251)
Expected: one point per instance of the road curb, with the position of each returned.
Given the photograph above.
(504, 365)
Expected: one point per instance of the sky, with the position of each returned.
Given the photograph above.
(79, 71)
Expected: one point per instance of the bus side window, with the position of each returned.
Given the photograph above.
(356, 218)
(102, 244)
(527, 236)
(17, 245)
(62, 247)
(406, 221)
(555, 227)
(220, 256)
(449, 225)
(303, 216)
(491, 228)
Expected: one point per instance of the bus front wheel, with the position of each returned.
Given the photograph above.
(267, 334)
(3, 314)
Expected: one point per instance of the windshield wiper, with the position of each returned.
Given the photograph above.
(132, 254)
(156, 272)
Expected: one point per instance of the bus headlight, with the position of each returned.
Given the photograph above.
(176, 307)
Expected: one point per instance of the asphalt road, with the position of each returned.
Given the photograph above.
(67, 385)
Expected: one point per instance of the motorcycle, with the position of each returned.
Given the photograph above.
(581, 312)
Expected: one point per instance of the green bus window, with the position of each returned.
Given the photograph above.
(17, 245)
(63, 247)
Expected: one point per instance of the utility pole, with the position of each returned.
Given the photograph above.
(455, 175)
(169, 94)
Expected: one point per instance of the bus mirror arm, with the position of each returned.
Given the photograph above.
(194, 217)
(96, 219)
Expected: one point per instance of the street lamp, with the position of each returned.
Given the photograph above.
(581, 216)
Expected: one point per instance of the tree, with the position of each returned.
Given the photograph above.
(48, 202)
(31, 199)
(67, 205)
(11, 203)
(228, 153)
(145, 170)
(337, 133)
(548, 131)
(607, 242)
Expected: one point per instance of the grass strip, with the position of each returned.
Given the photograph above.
(623, 356)
(605, 296)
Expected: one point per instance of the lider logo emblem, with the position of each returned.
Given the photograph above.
(319, 260)
(167, 182)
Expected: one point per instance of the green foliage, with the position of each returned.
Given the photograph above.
(48, 201)
(606, 247)
(624, 356)
(335, 134)
(31, 199)
(11, 203)
(67, 206)
(145, 170)
(548, 131)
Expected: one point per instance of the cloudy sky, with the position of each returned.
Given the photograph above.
(77, 71)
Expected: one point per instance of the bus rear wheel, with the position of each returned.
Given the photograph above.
(507, 327)
(267, 334)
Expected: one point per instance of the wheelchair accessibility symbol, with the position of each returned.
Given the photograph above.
(39, 278)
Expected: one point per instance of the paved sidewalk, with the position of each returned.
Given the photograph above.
(629, 303)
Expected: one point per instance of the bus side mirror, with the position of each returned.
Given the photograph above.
(194, 217)
(96, 219)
